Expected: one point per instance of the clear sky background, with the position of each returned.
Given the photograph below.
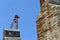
(27, 10)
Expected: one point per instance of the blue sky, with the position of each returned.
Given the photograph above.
(27, 10)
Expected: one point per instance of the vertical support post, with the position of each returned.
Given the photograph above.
(16, 21)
